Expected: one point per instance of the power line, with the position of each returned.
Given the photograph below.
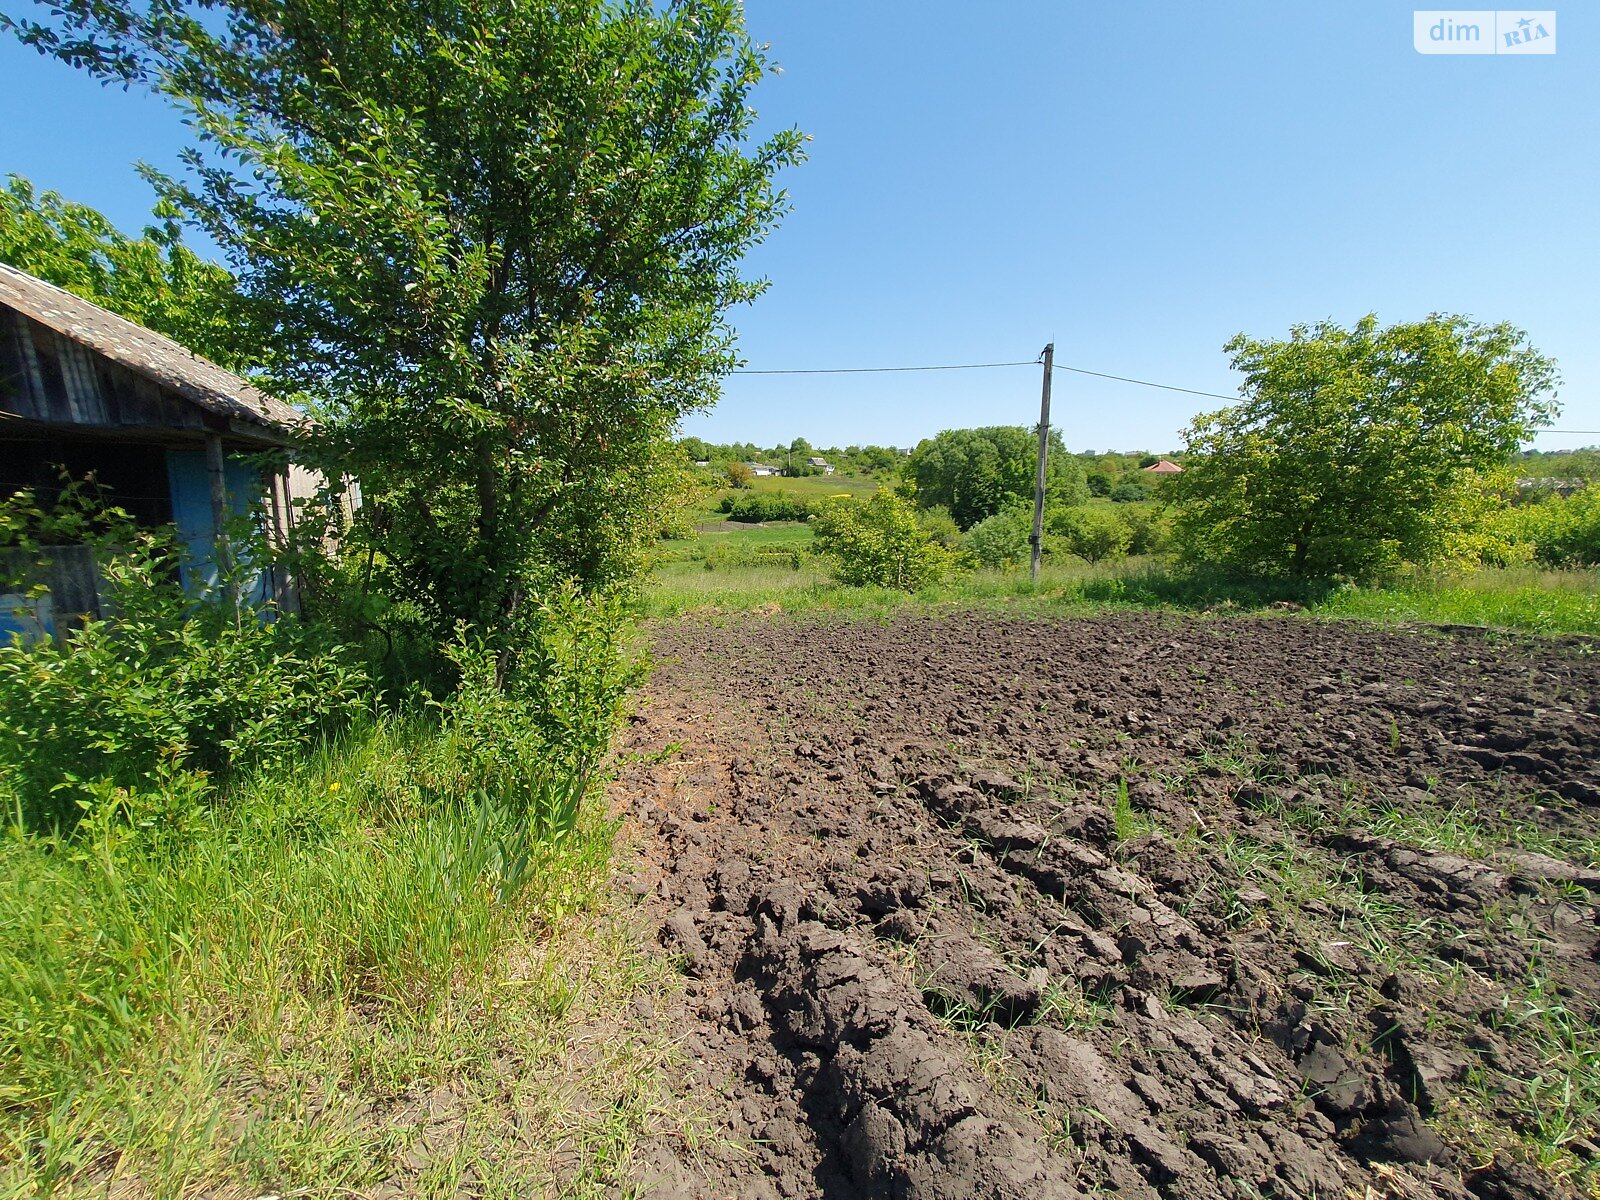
(977, 367)
(1166, 387)
(883, 370)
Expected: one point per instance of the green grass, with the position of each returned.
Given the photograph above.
(1547, 602)
(312, 985)
(811, 488)
(1542, 602)
(817, 487)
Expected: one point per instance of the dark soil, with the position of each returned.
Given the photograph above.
(975, 905)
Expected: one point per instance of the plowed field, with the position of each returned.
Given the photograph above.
(976, 905)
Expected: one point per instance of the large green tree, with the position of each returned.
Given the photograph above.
(976, 473)
(1356, 449)
(154, 279)
(495, 239)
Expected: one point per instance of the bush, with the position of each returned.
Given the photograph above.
(169, 685)
(1148, 532)
(1092, 533)
(941, 527)
(1130, 490)
(880, 542)
(1563, 531)
(525, 750)
(1001, 541)
(766, 506)
(728, 555)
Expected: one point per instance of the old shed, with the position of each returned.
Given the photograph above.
(170, 436)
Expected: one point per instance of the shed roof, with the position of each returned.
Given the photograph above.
(153, 355)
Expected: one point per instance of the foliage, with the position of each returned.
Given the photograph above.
(1002, 541)
(1093, 534)
(499, 240)
(1148, 531)
(1566, 466)
(683, 494)
(976, 473)
(765, 506)
(128, 707)
(153, 280)
(376, 880)
(941, 527)
(730, 555)
(1562, 530)
(350, 907)
(1131, 490)
(1357, 449)
(739, 475)
(879, 542)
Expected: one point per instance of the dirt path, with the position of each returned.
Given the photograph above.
(985, 906)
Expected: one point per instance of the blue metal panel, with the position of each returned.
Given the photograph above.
(191, 513)
(25, 618)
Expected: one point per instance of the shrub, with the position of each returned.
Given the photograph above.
(880, 542)
(1130, 490)
(1563, 531)
(1092, 533)
(938, 523)
(169, 684)
(766, 506)
(526, 749)
(1001, 541)
(1148, 532)
(733, 554)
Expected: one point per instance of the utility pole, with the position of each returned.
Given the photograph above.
(1037, 540)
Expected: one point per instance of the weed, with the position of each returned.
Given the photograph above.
(1127, 821)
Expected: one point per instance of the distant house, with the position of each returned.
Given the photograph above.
(822, 464)
(162, 431)
(1546, 483)
(762, 469)
(1165, 467)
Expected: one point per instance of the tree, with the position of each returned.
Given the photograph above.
(1003, 540)
(496, 238)
(880, 542)
(153, 280)
(739, 475)
(1356, 449)
(977, 472)
(1130, 489)
(1093, 534)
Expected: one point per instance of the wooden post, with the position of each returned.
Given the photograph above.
(278, 542)
(215, 472)
(1037, 539)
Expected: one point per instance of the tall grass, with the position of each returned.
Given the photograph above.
(1545, 602)
(1548, 602)
(163, 990)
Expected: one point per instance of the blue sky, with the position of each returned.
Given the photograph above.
(1136, 181)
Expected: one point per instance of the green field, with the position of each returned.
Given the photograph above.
(811, 488)
(731, 566)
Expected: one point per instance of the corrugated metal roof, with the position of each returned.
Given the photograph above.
(156, 357)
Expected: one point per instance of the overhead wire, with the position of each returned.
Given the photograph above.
(883, 370)
(1166, 387)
